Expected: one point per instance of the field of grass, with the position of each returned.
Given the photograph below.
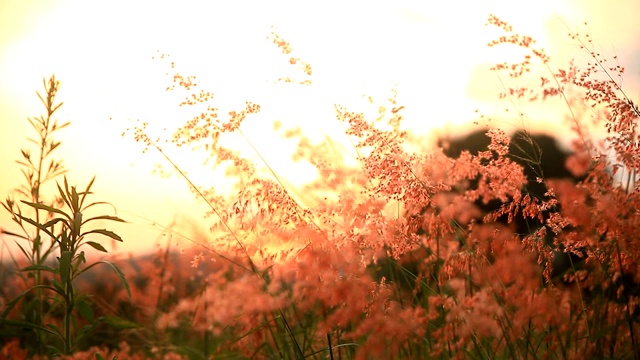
(388, 259)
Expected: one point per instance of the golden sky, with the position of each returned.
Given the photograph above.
(433, 52)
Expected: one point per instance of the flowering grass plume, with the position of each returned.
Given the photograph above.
(393, 255)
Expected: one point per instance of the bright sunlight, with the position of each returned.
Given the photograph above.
(434, 55)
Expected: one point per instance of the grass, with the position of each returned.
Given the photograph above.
(387, 259)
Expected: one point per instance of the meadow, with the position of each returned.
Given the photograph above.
(389, 257)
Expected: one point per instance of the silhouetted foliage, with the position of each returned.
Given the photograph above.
(542, 159)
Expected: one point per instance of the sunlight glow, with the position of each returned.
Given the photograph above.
(433, 53)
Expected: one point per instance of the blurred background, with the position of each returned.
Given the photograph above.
(107, 57)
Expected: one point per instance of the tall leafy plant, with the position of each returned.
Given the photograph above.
(54, 227)
(38, 168)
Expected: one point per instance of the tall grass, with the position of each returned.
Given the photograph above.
(391, 258)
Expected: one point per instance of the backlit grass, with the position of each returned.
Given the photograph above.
(389, 258)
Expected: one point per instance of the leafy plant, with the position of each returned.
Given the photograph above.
(38, 171)
(64, 229)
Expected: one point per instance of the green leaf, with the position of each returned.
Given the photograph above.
(23, 251)
(98, 203)
(52, 222)
(65, 267)
(86, 191)
(77, 224)
(80, 259)
(120, 274)
(119, 323)
(28, 325)
(39, 226)
(84, 331)
(37, 242)
(63, 195)
(96, 246)
(37, 267)
(55, 330)
(57, 287)
(65, 242)
(104, 217)
(85, 310)
(75, 199)
(6, 232)
(11, 304)
(47, 208)
(104, 232)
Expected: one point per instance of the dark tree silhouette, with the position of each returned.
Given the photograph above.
(540, 155)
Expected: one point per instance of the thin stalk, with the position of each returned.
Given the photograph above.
(45, 131)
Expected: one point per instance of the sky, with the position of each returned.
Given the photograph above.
(106, 55)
